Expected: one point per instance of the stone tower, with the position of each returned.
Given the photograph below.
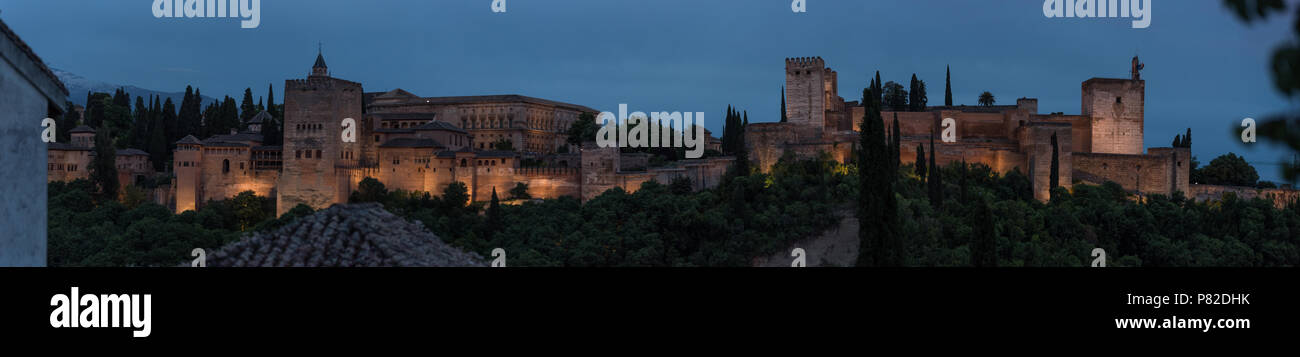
(806, 86)
(187, 162)
(1116, 108)
(314, 109)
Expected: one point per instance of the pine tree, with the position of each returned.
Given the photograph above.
(103, 167)
(947, 92)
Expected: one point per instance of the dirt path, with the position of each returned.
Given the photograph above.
(837, 246)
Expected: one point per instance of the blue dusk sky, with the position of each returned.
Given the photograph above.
(1204, 69)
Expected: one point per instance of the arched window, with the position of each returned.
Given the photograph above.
(463, 163)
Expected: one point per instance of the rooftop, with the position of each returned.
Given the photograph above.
(411, 143)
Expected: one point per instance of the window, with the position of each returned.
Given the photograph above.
(297, 154)
(318, 154)
(308, 153)
(1119, 100)
(225, 166)
(462, 163)
(376, 138)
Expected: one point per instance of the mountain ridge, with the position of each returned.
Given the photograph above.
(79, 86)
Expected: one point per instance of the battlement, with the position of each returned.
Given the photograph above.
(318, 83)
(802, 63)
(546, 171)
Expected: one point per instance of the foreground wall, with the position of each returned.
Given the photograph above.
(1280, 197)
(27, 89)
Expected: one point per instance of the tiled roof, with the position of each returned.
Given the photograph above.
(260, 118)
(403, 116)
(66, 147)
(411, 143)
(132, 152)
(233, 138)
(82, 129)
(440, 125)
(320, 61)
(191, 140)
(496, 153)
(476, 99)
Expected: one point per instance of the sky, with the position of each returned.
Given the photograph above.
(1205, 70)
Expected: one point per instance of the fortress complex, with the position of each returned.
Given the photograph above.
(411, 143)
(418, 143)
(1102, 143)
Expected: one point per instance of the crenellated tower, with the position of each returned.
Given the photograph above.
(314, 109)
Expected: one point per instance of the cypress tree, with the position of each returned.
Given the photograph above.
(984, 240)
(922, 100)
(920, 161)
(961, 180)
(896, 155)
(911, 95)
(67, 121)
(157, 147)
(140, 128)
(783, 117)
(727, 137)
(246, 107)
(1187, 139)
(1056, 165)
(270, 101)
(936, 179)
(103, 167)
(947, 92)
(877, 204)
(742, 153)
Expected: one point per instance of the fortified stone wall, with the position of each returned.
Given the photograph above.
(1037, 146)
(1149, 174)
(218, 183)
(1280, 197)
